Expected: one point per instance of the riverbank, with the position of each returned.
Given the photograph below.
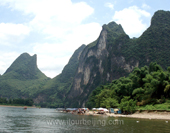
(17, 106)
(143, 115)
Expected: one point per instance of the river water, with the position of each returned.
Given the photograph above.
(34, 120)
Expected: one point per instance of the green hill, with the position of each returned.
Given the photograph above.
(111, 56)
(22, 79)
(114, 55)
(24, 68)
(144, 85)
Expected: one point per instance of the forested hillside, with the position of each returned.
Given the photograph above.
(114, 55)
(145, 85)
(107, 60)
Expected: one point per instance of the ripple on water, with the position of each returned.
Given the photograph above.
(36, 121)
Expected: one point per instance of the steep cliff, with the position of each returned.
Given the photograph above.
(111, 56)
(54, 93)
(114, 55)
(95, 66)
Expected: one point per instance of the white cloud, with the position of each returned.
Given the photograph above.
(52, 13)
(10, 33)
(145, 6)
(6, 59)
(52, 57)
(83, 34)
(131, 20)
(61, 25)
(110, 5)
(51, 65)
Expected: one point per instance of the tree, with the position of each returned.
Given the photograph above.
(127, 105)
(109, 103)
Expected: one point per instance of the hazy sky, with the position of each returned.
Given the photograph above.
(54, 29)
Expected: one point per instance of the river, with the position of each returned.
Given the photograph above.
(35, 120)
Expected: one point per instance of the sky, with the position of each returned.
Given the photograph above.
(54, 29)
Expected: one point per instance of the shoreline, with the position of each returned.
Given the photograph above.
(140, 115)
(16, 106)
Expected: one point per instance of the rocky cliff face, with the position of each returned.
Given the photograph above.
(56, 89)
(111, 56)
(114, 55)
(84, 71)
(96, 63)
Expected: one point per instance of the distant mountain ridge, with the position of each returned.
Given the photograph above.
(114, 55)
(111, 56)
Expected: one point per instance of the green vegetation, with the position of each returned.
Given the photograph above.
(147, 87)
(127, 105)
(163, 106)
(16, 102)
(56, 89)
(122, 54)
(153, 44)
(24, 68)
(22, 78)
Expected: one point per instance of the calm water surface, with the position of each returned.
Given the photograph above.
(34, 120)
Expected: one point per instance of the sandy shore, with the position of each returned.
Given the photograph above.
(145, 115)
(16, 106)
